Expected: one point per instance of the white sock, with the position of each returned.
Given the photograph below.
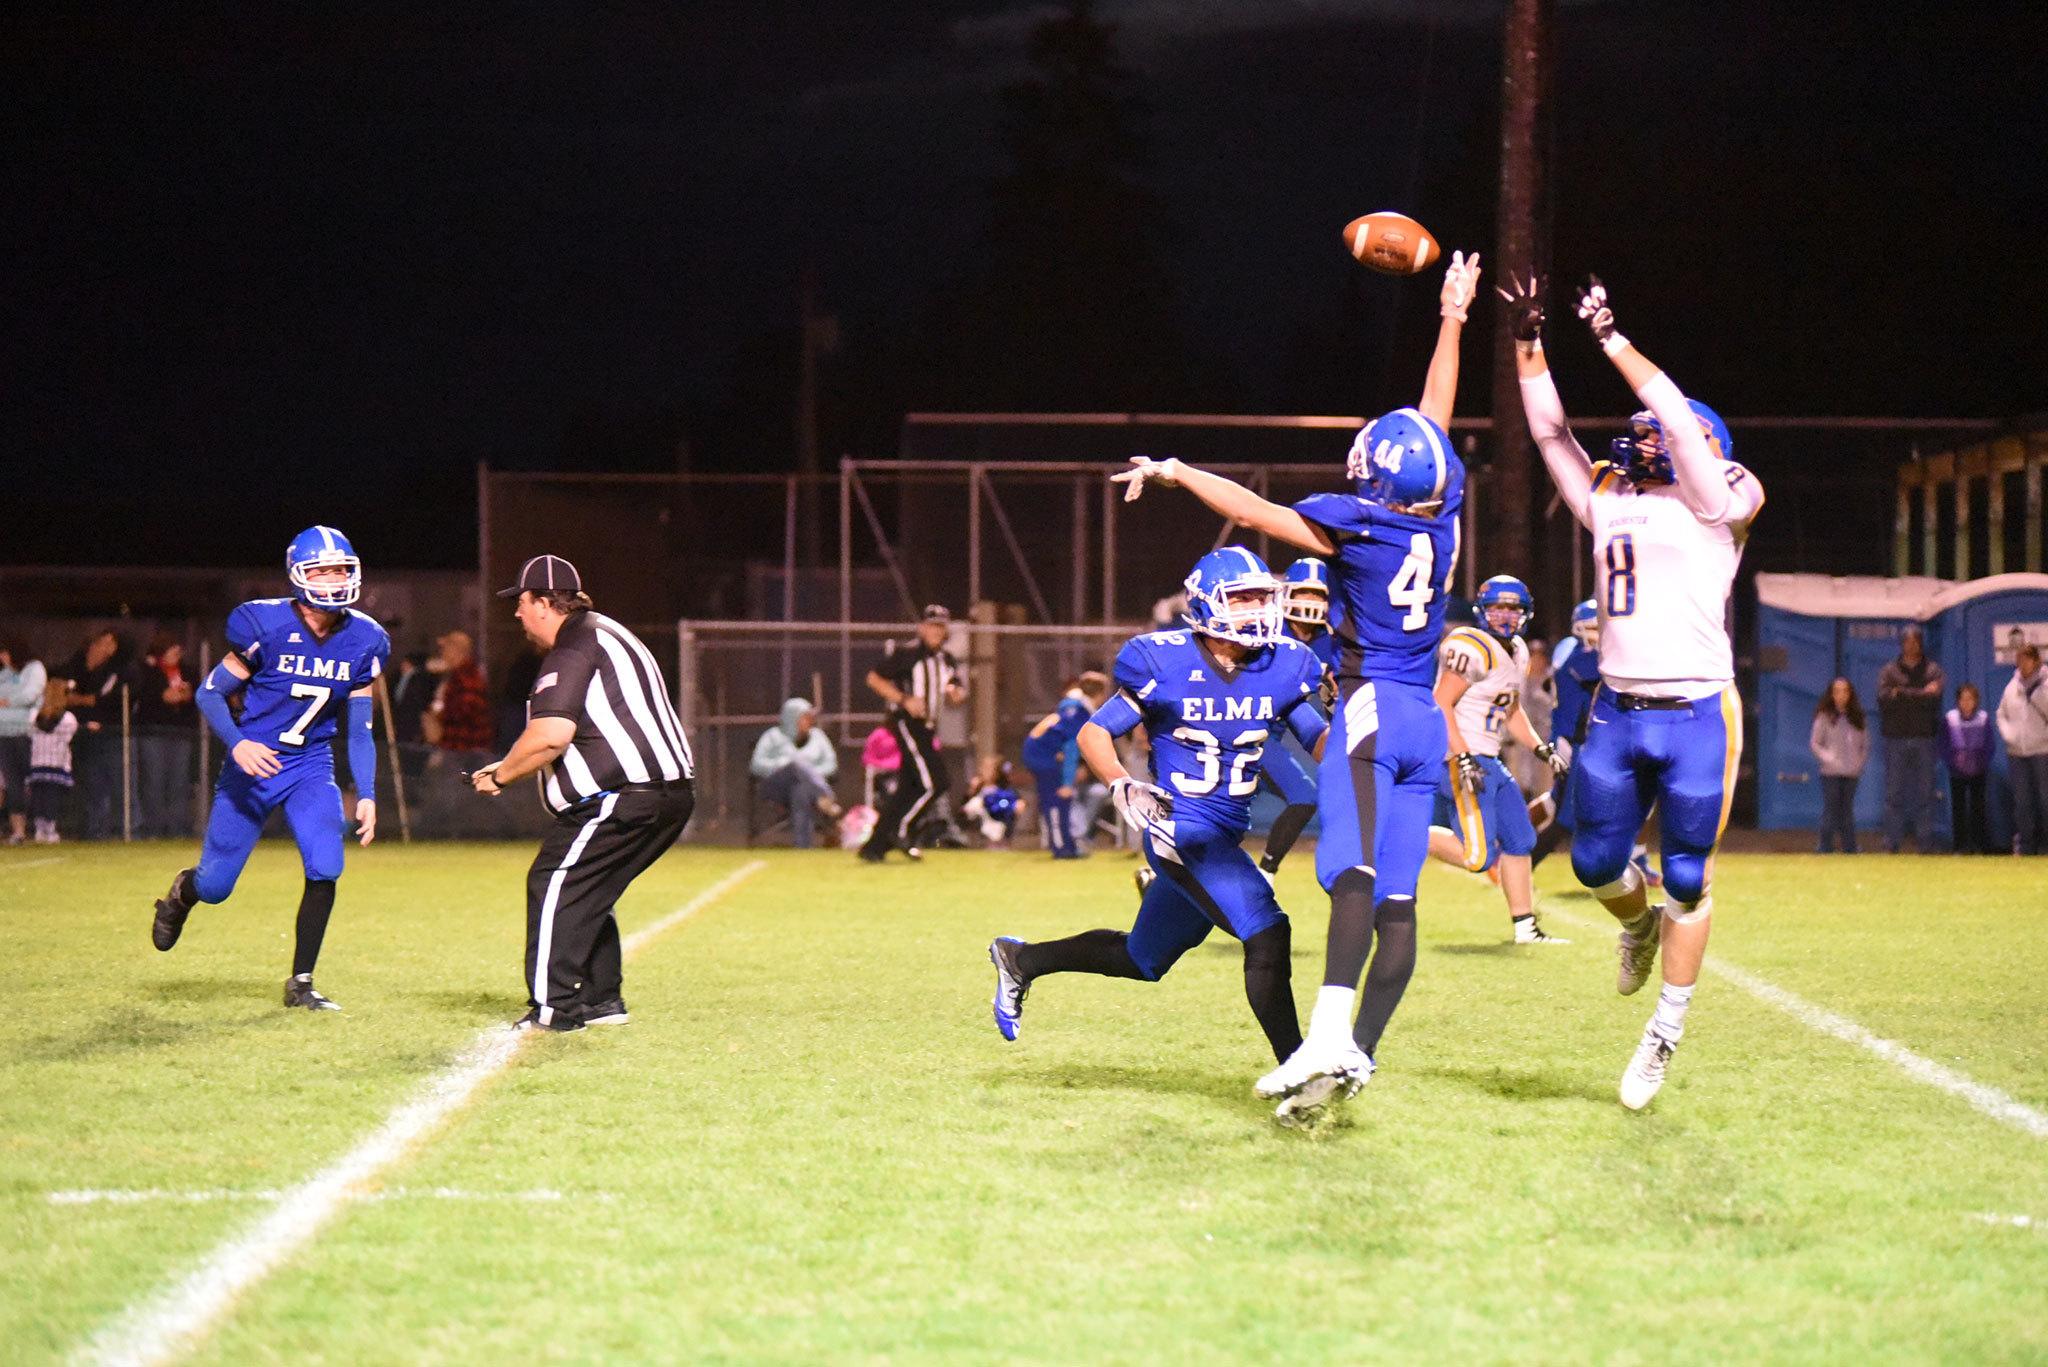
(1669, 1022)
(1330, 1022)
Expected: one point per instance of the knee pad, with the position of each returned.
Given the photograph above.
(1686, 913)
(211, 886)
(1602, 866)
(1685, 876)
(1629, 880)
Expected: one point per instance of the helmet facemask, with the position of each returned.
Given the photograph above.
(327, 592)
(1504, 620)
(1245, 610)
(1306, 605)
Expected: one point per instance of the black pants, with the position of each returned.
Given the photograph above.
(1968, 831)
(1838, 812)
(917, 783)
(573, 961)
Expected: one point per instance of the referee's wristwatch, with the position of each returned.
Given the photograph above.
(492, 774)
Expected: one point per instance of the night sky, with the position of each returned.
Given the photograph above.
(264, 267)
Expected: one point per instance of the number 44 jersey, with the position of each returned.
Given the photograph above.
(298, 682)
(1387, 584)
(1662, 576)
(1209, 726)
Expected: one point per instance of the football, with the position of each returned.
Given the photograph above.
(1392, 243)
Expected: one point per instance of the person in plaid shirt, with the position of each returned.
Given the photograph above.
(462, 704)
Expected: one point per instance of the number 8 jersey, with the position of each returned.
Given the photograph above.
(1662, 577)
(1210, 728)
(299, 683)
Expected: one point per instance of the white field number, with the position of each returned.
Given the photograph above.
(1246, 747)
(296, 733)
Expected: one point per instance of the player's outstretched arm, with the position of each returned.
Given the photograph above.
(1227, 498)
(1440, 386)
(1571, 469)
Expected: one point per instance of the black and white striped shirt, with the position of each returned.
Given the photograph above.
(918, 671)
(601, 677)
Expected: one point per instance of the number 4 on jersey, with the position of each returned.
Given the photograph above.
(1413, 584)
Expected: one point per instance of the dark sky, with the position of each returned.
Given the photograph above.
(263, 267)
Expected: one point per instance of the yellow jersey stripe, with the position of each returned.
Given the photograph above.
(1478, 638)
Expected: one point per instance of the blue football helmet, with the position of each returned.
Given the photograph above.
(1305, 593)
(1586, 624)
(1233, 596)
(1503, 606)
(1642, 453)
(1403, 459)
(317, 548)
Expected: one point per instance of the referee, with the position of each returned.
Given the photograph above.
(916, 679)
(615, 771)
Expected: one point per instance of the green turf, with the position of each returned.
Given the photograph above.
(811, 1144)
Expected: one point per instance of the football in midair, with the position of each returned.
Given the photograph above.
(1393, 243)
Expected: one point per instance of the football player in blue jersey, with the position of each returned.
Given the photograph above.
(1054, 759)
(1576, 668)
(1212, 700)
(1391, 545)
(1481, 822)
(1305, 608)
(300, 663)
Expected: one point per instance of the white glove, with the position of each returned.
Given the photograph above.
(1554, 756)
(1563, 747)
(1141, 805)
(1461, 282)
(1146, 470)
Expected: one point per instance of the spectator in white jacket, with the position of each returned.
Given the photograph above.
(21, 692)
(1841, 742)
(2023, 724)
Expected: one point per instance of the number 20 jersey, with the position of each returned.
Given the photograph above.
(1662, 578)
(299, 683)
(1209, 732)
(1388, 581)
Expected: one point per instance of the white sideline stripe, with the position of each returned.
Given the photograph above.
(174, 1320)
(1992, 1217)
(11, 867)
(206, 1196)
(1985, 1099)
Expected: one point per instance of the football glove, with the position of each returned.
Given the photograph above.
(1599, 315)
(1551, 756)
(1525, 311)
(1470, 776)
(1146, 471)
(1461, 282)
(1141, 805)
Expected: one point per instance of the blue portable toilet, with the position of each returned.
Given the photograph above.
(1811, 628)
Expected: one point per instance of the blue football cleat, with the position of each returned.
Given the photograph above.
(1010, 984)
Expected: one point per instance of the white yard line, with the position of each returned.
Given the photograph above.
(1982, 1097)
(175, 1319)
(10, 866)
(95, 1196)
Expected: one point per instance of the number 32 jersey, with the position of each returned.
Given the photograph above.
(1209, 730)
(299, 683)
(1662, 577)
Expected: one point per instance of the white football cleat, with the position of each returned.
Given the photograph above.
(1346, 1063)
(1530, 933)
(1645, 1072)
(1638, 955)
(1306, 1106)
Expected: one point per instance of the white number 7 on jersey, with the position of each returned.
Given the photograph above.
(295, 734)
(1413, 584)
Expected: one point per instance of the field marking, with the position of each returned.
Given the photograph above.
(9, 866)
(1992, 1217)
(175, 1320)
(135, 1196)
(1985, 1099)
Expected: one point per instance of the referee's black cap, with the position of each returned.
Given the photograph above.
(545, 574)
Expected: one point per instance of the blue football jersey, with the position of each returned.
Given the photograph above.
(1388, 582)
(1578, 677)
(299, 683)
(1209, 732)
(1324, 646)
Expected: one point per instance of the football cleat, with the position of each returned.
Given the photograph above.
(1011, 985)
(1306, 1106)
(1645, 1072)
(1347, 1063)
(1638, 954)
(561, 1024)
(299, 992)
(1529, 932)
(914, 852)
(170, 914)
(612, 1012)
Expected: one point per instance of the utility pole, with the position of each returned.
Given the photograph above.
(818, 335)
(1516, 496)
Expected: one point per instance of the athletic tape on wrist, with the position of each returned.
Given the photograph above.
(1614, 343)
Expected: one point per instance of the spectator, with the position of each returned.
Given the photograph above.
(49, 759)
(1842, 745)
(412, 693)
(794, 763)
(459, 718)
(1966, 750)
(1054, 759)
(992, 801)
(94, 697)
(166, 737)
(1909, 705)
(22, 679)
(2023, 722)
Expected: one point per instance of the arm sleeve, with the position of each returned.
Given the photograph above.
(1132, 672)
(762, 762)
(1702, 475)
(212, 700)
(1571, 469)
(564, 679)
(362, 746)
(1119, 716)
(825, 755)
(1307, 722)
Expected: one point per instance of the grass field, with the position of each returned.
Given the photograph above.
(811, 1144)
